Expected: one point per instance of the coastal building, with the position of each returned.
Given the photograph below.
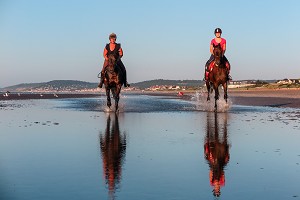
(288, 81)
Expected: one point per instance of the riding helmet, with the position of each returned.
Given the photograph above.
(112, 35)
(218, 30)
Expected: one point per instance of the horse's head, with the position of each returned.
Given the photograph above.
(218, 54)
(111, 61)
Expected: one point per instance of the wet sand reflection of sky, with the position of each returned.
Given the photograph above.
(155, 148)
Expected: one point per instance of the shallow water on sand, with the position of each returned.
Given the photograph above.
(154, 148)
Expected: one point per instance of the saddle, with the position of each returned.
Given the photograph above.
(211, 66)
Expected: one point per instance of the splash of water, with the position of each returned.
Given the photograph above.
(111, 109)
(200, 100)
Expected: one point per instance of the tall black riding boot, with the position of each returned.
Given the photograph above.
(100, 85)
(229, 78)
(126, 84)
(123, 69)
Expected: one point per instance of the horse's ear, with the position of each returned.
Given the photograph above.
(214, 45)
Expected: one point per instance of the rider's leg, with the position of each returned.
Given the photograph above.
(121, 65)
(102, 73)
(227, 64)
(206, 73)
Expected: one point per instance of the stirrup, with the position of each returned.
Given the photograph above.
(126, 84)
(229, 77)
(100, 85)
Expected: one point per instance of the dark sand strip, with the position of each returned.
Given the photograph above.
(22, 96)
(266, 101)
(255, 97)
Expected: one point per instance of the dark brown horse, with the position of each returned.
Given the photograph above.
(113, 81)
(218, 75)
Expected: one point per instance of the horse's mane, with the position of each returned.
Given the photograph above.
(218, 54)
(218, 48)
(111, 60)
(113, 71)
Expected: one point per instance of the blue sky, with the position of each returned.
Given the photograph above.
(43, 40)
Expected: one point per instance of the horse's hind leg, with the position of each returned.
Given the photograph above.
(225, 92)
(208, 90)
(117, 103)
(108, 97)
(117, 97)
(216, 107)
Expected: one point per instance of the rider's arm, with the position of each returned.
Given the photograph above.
(224, 45)
(224, 48)
(105, 54)
(211, 49)
(121, 52)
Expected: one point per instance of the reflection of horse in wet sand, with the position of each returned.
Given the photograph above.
(216, 149)
(113, 147)
(113, 81)
(218, 75)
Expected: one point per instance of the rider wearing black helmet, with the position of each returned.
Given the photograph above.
(217, 40)
(218, 30)
(115, 49)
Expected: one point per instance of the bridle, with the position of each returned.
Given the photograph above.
(218, 56)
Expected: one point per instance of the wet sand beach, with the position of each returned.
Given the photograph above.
(253, 97)
(266, 97)
(73, 147)
(285, 98)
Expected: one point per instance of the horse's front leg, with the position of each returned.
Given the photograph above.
(108, 97)
(117, 97)
(225, 91)
(216, 97)
(208, 90)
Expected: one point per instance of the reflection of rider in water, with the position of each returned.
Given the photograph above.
(113, 147)
(115, 49)
(216, 150)
(217, 40)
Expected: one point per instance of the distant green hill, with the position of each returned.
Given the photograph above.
(71, 85)
(187, 83)
(74, 85)
(59, 85)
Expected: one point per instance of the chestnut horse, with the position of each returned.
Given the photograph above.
(113, 81)
(218, 75)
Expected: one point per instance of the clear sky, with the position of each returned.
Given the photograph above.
(44, 40)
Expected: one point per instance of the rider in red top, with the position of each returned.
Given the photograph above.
(217, 40)
(222, 43)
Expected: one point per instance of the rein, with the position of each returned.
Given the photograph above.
(112, 66)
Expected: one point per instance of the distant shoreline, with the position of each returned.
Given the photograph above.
(252, 97)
